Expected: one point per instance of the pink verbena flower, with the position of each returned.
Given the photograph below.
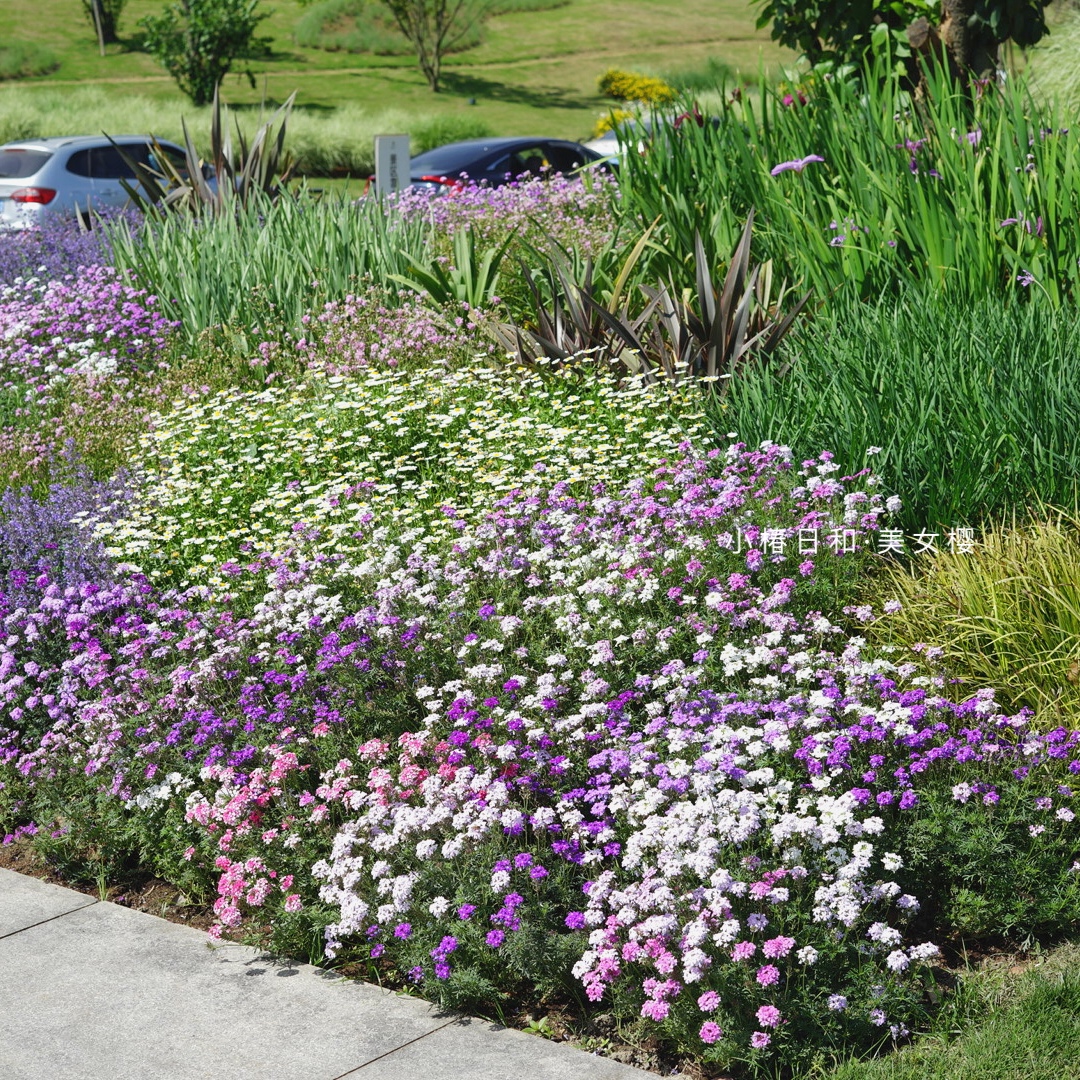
(769, 975)
(768, 1016)
(778, 947)
(743, 950)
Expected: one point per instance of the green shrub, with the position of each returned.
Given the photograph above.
(439, 130)
(25, 59)
(628, 86)
(197, 42)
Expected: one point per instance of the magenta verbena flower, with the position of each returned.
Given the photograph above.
(710, 1032)
(768, 975)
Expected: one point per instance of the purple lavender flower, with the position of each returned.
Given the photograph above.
(795, 166)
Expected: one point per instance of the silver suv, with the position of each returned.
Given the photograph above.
(42, 178)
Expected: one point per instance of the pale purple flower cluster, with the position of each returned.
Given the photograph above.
(569, 211)
(372, 329)
(55, 250)
(91, 322)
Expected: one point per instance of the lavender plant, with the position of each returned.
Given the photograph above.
(47, 541)
(58, 248)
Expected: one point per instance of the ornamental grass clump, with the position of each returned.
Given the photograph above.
(1006, 613)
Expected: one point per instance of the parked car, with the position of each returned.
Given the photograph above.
(607, 145)
(494, 162)
(42, 178)
(638, 131)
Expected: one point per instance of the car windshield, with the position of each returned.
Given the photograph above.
(18, 164)
(449, 159)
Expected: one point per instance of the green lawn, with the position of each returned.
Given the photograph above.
(1029, 1030)
(535, 72)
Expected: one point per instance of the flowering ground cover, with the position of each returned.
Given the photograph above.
(517, 686)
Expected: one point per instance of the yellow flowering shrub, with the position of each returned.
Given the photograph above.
(609, 120)
(628, 86)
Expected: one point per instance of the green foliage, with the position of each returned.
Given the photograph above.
(983, 871)
(1011, 1025)
(973, 404)
(471, 278)
(1006, 614)
(838, 30)
(263, 168)
(197, 41)
(1020, 21)
(25, 59)
(109, 11)
(262, 262)
(969, 198)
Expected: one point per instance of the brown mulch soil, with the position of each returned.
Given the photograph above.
(141, 892)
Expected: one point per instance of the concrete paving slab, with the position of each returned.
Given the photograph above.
(475, 1050)
(105, 993)
(26, 901)
(93, 991)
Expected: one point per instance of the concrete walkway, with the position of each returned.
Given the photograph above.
(94, 991)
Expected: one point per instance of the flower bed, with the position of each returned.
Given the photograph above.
(585, 746)
(513, 685)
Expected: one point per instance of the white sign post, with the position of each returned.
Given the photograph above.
(391, 163)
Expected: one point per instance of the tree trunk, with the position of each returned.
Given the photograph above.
(972, 52)
(99, 24)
